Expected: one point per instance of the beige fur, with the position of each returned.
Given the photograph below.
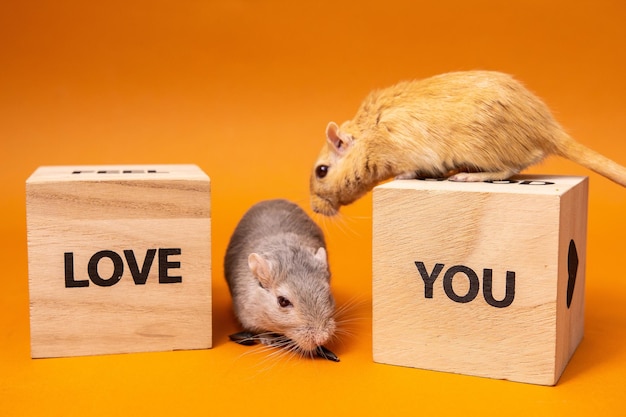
(468, 126)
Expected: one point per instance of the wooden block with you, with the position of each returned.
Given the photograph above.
(482, 279)
(119, 259)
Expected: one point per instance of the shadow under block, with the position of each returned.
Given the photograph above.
(483, 279)
(119, 259)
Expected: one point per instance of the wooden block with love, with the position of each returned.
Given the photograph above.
(483, 279)
(119, 259)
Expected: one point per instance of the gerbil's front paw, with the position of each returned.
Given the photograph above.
(407, 176)
(465, 177)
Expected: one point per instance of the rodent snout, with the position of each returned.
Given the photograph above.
(323, 206)
(308, 339)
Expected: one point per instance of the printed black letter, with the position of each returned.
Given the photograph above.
(69, 273)
(429, 279)
(164, 265)
(118, 268)
(488, 289)
(139, 276)
(473, 281)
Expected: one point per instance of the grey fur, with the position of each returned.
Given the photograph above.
(294, 249)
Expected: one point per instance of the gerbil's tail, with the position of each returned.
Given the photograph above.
(582, 155)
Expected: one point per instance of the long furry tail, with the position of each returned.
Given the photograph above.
(582, 155)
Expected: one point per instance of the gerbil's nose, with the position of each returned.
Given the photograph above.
(322, 335)
(310, 337)
(320, 338)
(323, 206)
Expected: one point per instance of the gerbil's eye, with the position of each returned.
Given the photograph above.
(321, 171)
(283, 302)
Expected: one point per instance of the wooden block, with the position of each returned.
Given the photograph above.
(482, 279)
(119, 259)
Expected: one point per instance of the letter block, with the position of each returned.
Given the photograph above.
(119, 259)
(483, 279)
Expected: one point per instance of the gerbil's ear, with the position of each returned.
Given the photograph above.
(338, 141)
(261, 269)
(321, 256)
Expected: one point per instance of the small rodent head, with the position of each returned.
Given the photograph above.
(294, 297)
(330, 184)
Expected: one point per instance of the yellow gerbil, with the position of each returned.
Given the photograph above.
(468, 126)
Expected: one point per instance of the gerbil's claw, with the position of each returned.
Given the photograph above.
(322, 352)
(243, 338)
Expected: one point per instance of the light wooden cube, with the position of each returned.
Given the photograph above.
(119, 259)
(483, 279)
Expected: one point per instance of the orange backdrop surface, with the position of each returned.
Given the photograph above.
(244, 89)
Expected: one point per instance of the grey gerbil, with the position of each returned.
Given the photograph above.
(468, 126)
(278, 275)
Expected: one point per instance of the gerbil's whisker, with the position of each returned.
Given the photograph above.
(347, 315)
(274, 353)
(276, 346)
(303, 202)
(338, 221)
(344, 224)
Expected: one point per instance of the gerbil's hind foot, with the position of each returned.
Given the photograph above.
(482, 176)
(322, 352)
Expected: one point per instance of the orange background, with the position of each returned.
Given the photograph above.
(244, 89)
